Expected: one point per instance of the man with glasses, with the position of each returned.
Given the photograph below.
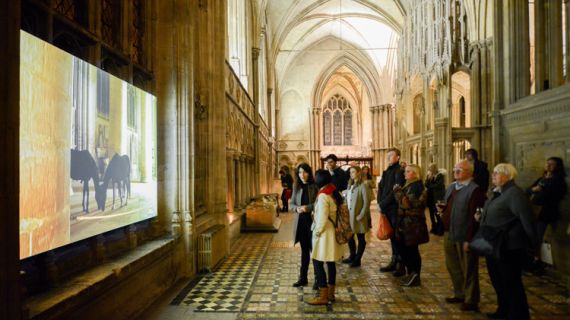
(461, 201)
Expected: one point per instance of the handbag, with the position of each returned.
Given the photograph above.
(385, 230)
(489, 242)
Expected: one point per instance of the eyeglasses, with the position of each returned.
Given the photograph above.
(457, 170)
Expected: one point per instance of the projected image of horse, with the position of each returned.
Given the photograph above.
(83, 168)
(118, 173)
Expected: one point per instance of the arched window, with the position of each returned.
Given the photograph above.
(337, 122)
(462, 114)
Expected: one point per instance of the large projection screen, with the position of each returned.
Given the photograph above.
(87, 149)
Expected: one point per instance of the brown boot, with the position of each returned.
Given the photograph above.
(331, 292)
(322, 299)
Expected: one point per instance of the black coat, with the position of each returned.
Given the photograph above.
(385, 197)
(511, 210)
(302, 221)
(553, 191)
(481, 174)
(435, 189)
(340, 179)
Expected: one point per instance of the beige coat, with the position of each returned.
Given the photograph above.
(359, 207)
(325, 247)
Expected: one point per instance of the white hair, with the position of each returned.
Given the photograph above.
(507, 170)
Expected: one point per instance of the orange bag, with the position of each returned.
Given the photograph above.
(385, 230)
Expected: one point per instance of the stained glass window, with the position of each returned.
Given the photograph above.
(337, 128)
(348, 128)
(327, 127)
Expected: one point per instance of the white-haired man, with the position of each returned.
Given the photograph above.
(462, 198)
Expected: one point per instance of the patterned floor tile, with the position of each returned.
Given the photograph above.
(255, 282)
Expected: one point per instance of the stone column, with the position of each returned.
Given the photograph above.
(230, 181)
(243, 181)
(498, 80)
(567, 40)
(210, 70)
(315, 145)
(516, 59)
(487, 73)
(554, 46)
(236, 186)
(10, 300)
(256, 85)
(476, 110)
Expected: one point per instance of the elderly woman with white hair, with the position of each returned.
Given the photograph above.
(509, 209)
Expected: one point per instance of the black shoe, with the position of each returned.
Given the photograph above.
(400, 270)
(389, 268)
(412, 281)
(496, 315)
(469, 307)
(454, 300)
(300, 283)
(348, 260)
(355, 264)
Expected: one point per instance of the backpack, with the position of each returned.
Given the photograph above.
(343, 231)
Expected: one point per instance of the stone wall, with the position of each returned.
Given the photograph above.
(535, 128)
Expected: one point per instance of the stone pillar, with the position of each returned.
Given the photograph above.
(498, 80)
(236, 186)
(315, 145)
(230, 181)
(516, 59)
(243, 181)
(211, 29)
(567, 40)
(10, 300)
(554, 46)
(256, 85)
(548, 44)
(487, 73)
(476, 110)
(176, 125)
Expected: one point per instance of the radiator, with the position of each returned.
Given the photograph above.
(211, 247)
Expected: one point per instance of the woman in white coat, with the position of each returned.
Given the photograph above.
(325, 247)
(358, 200)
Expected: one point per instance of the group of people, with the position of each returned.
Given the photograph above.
(456, 213)
(315, 199)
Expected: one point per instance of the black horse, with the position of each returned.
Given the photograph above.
(118, 173)
(83, 168)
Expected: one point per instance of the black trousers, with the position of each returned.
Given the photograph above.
(355, 254)
(306, 247)
(506, 277)
(412, 259)
(285, 200)
(392, 216)
(432, 214)
(322, 276)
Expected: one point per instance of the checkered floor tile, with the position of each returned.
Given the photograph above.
(255, 282)
(225, 289)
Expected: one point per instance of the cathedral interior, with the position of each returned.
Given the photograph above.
(205, 101)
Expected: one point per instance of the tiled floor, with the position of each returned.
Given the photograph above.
(255, 283)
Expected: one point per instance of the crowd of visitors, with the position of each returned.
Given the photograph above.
(465, 214)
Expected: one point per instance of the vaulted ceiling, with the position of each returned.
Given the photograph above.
(365, 28)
